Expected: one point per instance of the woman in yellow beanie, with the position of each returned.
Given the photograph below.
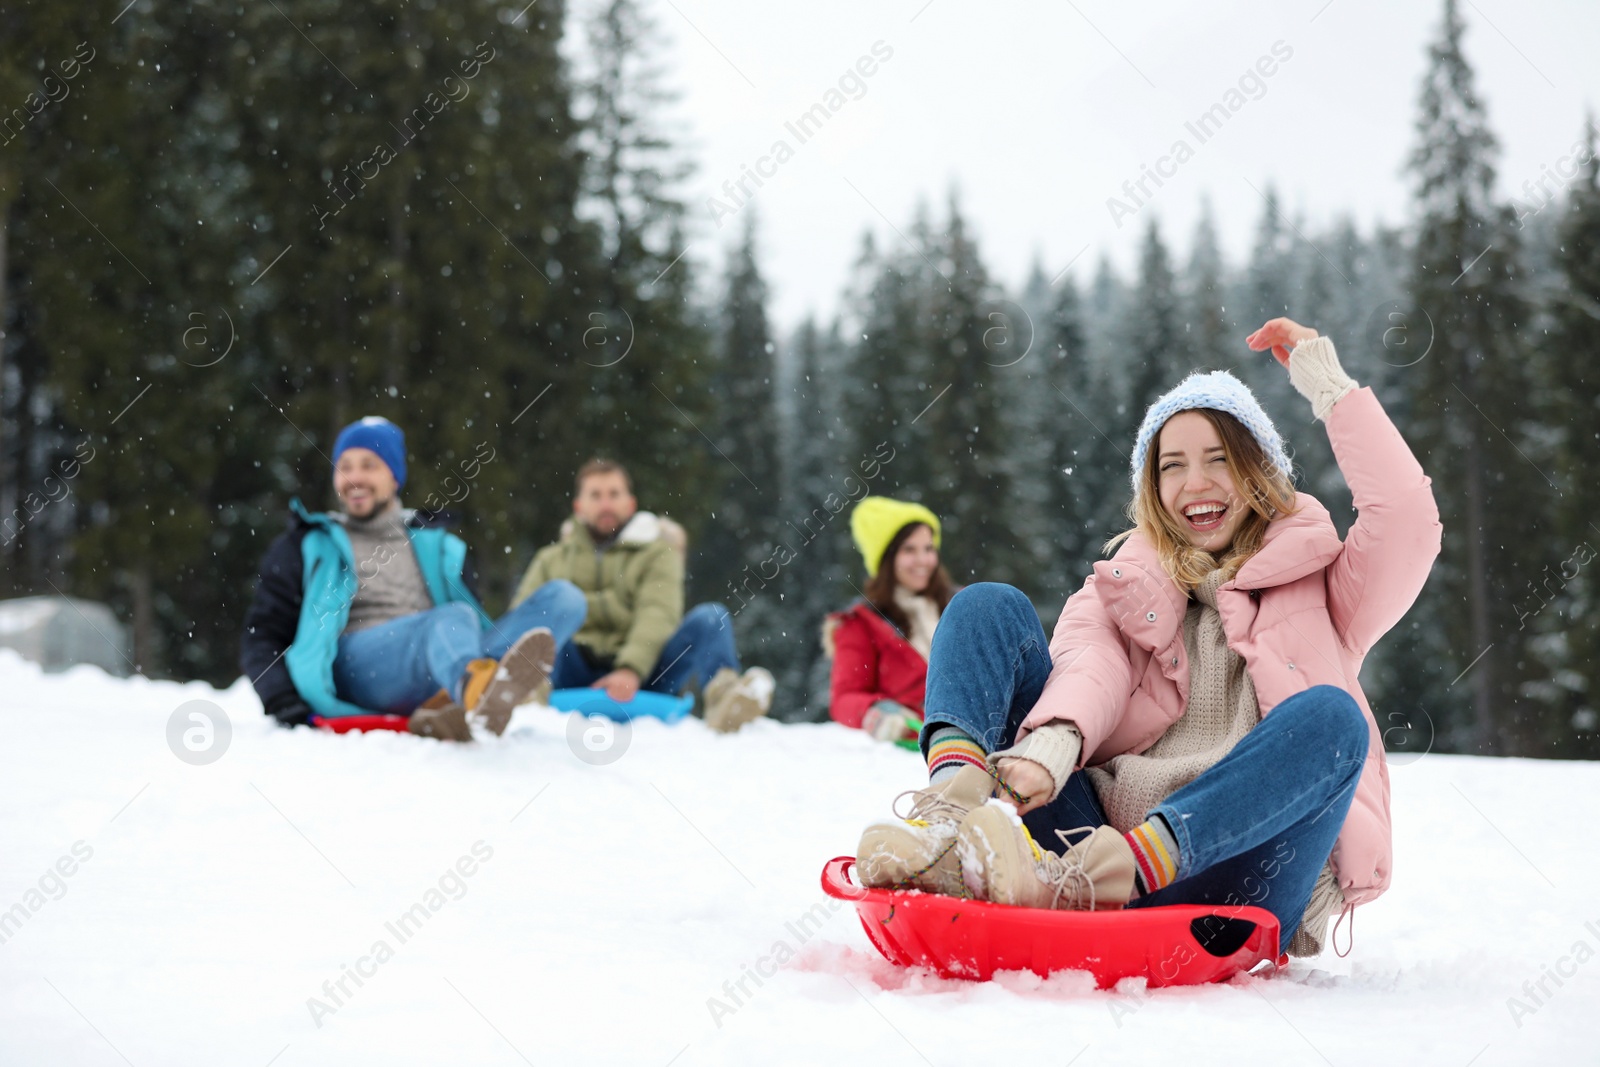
(879, 645)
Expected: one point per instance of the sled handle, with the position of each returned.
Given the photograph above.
(836, 880)
(1226, 931)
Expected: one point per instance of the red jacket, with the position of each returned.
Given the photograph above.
(871, 662)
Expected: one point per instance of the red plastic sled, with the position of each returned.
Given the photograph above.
(1180, 944)
(346, 723)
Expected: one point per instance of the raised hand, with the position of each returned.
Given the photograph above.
(1280, 335)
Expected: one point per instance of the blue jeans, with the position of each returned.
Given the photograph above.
(396, 665)
(700, 646)
(1255, 829)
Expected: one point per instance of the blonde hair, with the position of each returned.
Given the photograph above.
(1267, 490)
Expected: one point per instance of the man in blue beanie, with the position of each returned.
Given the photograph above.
(371, 609)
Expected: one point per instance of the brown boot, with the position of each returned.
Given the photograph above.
(519, 674)
(442, 718)
(540, 694)
(1001, 862)
(731, 700)
(918, 851)
(479, 673)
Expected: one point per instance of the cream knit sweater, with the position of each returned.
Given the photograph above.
(1222, 709)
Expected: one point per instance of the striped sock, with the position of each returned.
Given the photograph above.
(949, 750)
(1156, 851)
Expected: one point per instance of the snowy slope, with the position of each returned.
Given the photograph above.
(608, 903)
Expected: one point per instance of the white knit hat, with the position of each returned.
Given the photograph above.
(1219, 391)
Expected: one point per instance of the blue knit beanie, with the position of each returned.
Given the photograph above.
(381, 436)
(1219, 391)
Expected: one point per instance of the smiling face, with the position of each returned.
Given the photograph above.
(1196, 486)
(364, 483)
(916, 560)
(604, 503)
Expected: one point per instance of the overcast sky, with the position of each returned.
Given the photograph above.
(1037, 112)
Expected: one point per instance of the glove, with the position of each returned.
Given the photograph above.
(1315, 373)
(888, 720)
(1054, 746)
(291, 711)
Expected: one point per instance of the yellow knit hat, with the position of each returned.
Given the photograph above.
(877, 519)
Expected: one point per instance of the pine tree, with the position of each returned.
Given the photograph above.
(1471, 410)
(890, 385)
(437, 282)
(36, 132)
(1319, 284)
(1087, 467)
(1271, 287)
(1268, 275)
(30, 523)
(740, 547)
(1212, 333)
(964, 422)
(1341, 292)
(1154, 326)
(649, 402)
(1032, 462)
(1563, 601)
(113, 254)
(814, 525)
(1103, 404)
(434, 215)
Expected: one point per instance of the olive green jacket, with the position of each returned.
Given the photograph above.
(634, 589)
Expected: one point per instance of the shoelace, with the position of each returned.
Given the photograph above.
(927, 805)
(1066, 873)
(933, 801)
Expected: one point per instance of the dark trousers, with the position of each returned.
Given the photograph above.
(700, 646)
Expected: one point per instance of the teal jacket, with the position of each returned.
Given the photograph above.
(319, 602)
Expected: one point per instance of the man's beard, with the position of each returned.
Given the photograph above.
(380, 506)
(598, 534)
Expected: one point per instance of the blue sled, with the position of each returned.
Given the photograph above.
(644, 704)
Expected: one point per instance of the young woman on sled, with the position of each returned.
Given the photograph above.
(1194, 732)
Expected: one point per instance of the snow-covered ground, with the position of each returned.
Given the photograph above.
(587, 912)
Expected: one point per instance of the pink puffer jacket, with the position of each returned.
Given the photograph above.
(1303, 611)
